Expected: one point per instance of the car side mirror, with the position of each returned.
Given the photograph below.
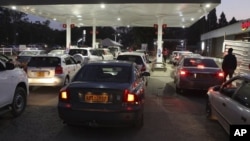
(9, 66)
(217, 88)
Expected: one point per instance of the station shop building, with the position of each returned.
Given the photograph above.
(212, 42)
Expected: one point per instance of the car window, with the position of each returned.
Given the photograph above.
(119, 74)
(69, 61)
(43, 52)
(94, 52)
(195, 62)
(113, 49)
(84, 52)
(243, 95)
(107, 52)
(44, 62)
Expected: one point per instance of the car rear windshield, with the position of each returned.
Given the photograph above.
(194, 62)
(44, 62)
(23, 58)
(30, 53)
(137, 59)
(78, 51)
(104, 73)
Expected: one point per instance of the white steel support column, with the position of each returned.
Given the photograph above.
(94, 37)
(159, 40)
(68, 33)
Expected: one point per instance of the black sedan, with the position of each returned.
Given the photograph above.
(197, 73)
(106, 93)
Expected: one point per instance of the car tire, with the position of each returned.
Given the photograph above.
(208, 110)
(19, 101)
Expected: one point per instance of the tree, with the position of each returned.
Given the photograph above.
(212, 20)
(233, 20)
(222, 21)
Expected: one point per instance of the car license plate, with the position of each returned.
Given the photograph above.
(40, 74)
(91, 98)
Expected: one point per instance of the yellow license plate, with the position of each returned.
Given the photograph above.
(40, 74)
(96, 98)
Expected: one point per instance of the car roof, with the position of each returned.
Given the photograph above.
(140, 50)
(111, 62)
(85, 48)
(182, 51)
(102, 48)
(52, 55)
(244, 75)
(132, 53)
(201, 57)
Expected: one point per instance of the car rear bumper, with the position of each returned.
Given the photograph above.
(99, 118)
(198, 85)
(53, 81)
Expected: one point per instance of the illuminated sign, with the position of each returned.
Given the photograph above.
(245, 25)
(65, 25)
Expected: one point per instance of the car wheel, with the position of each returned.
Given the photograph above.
(66, 81)
(208, 110)
(19, 101)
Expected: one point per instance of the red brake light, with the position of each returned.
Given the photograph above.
(221, 74)
(129, 97)
(64, 96)
(183, 72)
(58, 70)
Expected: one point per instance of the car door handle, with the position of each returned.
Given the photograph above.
(224, 104)
(244, 119)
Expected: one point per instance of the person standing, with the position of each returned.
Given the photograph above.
(229, 64)
(165, 54)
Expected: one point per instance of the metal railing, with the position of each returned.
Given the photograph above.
(6, 50)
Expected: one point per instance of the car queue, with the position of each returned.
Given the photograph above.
(103, 83)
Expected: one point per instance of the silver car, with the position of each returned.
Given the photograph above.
(229, 103)
(51, 70)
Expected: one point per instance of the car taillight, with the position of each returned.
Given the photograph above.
(129, 97)
(183, 72)
(221, 74)
(64, 96)
(58, 70)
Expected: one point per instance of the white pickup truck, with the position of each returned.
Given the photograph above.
(14, 88)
